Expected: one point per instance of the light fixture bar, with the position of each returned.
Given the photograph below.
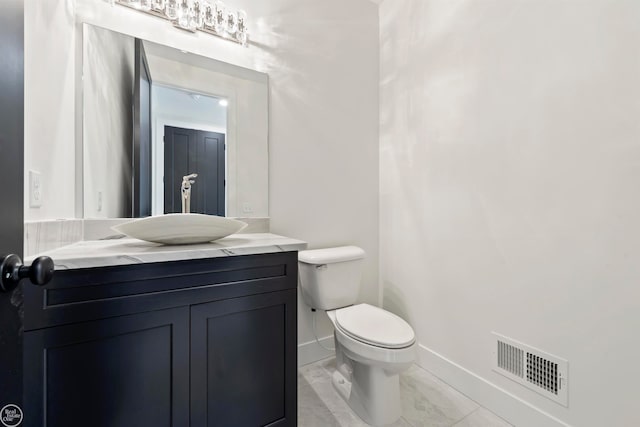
(196, 15)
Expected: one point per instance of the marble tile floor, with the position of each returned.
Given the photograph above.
(426, 402)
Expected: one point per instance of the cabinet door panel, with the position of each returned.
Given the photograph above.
(243, 361)
(124, 371)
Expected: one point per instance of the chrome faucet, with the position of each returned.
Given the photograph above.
(186, 191)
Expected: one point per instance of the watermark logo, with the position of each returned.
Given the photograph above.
(11, 415)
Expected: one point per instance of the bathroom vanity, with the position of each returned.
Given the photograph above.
(130, 333)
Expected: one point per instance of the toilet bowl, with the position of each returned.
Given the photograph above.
(369, 361)
(373, 346)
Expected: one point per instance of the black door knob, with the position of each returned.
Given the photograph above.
(40, 272)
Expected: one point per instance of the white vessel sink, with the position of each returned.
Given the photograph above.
(180, 229)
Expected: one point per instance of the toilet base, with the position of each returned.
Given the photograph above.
(371, 392)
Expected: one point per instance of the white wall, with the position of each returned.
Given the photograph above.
(322, 61)
(107, 96)
(49, 104)
(510, 162)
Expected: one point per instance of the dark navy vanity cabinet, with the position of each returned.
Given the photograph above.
(208, 342)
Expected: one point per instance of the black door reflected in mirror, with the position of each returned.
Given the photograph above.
(188, 151)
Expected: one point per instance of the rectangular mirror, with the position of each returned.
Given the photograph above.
(152, 115)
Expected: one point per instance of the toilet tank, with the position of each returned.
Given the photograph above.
(330, 278)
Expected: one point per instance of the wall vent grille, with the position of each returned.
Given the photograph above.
(543, 373)
(510, 358)
(533, 368)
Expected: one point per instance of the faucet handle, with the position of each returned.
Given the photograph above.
(187, 180)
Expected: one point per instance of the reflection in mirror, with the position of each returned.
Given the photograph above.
(189, 140)
(152, 115)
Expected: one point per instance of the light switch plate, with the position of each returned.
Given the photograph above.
(35, 189)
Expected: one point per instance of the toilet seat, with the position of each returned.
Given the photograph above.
(374, 326)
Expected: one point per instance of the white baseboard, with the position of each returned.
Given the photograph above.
(309, 352)
(497, 400)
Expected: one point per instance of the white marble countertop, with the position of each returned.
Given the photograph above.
(126, 251)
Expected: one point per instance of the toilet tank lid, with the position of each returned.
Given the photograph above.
(329, 255)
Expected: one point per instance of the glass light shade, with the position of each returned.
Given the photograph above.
(220, 17)
(232, 22)
(242, 21)
(208, 14)
(145, 5)
(184, 13)
(171, 9)
(197, 15)
(158, 4)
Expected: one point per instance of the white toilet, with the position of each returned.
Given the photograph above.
(373, 346)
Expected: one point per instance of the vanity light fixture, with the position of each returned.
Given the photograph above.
(208, 16)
